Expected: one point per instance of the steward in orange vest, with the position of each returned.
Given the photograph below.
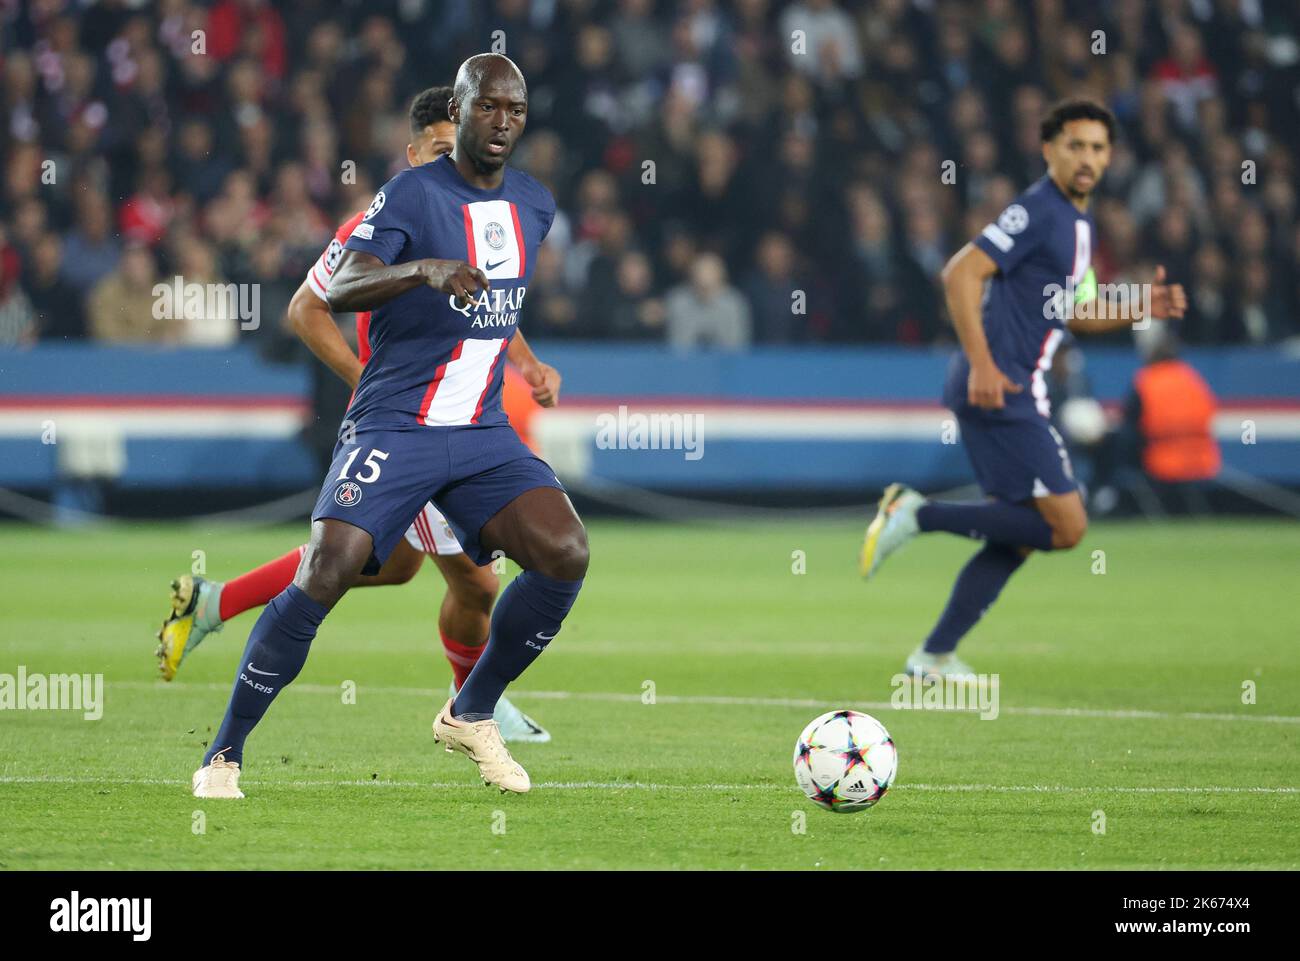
(1175, 418)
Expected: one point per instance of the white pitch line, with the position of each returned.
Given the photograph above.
(650, 786)
(1122, 714)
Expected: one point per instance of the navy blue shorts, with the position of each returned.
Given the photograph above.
(1015, 458)
(382, 480)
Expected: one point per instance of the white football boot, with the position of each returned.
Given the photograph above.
(944, 666)
(218, 779)
(515, 725)
(893, 526)
(480, 741)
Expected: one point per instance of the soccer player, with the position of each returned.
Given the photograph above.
(442, 257)
(200, 606)
(1035, 256)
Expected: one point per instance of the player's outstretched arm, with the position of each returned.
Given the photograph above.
(543, 378)
(311, 320)
(964, 277)
(363, 281)
(1162, 302)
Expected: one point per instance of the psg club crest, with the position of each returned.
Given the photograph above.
(348, 495)
(495, 235)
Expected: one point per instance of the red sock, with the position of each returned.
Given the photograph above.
(461, 656)
(259, 585)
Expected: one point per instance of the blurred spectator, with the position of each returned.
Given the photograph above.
(236, 216)
(58, 305)
(197, 167)
(17, 320)
(1263, 311)
(634, 312)
(1153, 189)
(871, 274)
(770, 290)
(552, 310)
(715, 201)
(830, 49)
(707, 311)
(30, 223)
(251, 27)
(1174, 241)
(925, 253)
(601, 282)
(121, 308)
(91, 251)
(640, 41)
(269, 272)
(1186, 77)
(295, 218)
(211, 320)
(146, 214)
(1210, 317)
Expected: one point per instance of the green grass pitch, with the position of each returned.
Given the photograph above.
(1121, 703)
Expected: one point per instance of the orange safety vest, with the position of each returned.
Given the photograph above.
(1177, 416)
(517, 399)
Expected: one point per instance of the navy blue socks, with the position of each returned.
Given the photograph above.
(526, 618)
(977, 587)
(995, 521)
(1005, 528)
(276, 651)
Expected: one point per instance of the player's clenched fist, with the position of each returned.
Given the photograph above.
(1168, 301)
(455, 277)
(544, 380)
(986, 385)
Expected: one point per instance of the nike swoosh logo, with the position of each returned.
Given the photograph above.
(545, 637)
(491, 266)
(256, 671)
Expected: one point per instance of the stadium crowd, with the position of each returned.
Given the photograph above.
(710, 159)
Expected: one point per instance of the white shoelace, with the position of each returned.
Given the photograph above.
(496, 745)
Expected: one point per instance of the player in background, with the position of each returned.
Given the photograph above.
(1036, 264)
(442, 257)
(200, 606)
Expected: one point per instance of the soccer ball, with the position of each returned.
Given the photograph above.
(1083, 420)
(845, 761)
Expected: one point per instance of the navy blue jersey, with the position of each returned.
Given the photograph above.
(433, 363)
(1042, 245)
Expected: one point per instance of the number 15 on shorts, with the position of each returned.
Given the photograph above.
(371, 466)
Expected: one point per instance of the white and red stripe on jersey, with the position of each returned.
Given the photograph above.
(455, 396)
(494, 244)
